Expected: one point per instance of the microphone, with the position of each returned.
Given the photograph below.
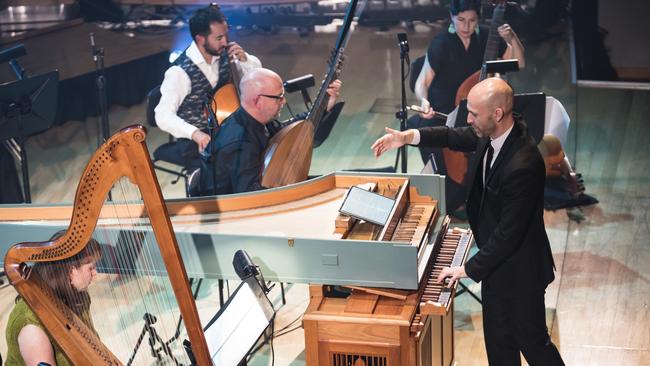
(402, 42)
(244, 266)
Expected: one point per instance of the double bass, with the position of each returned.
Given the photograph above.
(287, 157)
(457, 162)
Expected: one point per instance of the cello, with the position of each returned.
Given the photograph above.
(287, 157)
(225, 100)
(457, 162)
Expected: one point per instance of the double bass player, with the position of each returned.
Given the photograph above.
(453, 55)
(193, 78)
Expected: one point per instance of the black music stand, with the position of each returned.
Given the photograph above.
(532, 107)
(27, 106)
(501, 66)
(244, 319)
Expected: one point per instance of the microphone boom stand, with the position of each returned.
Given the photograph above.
(154, 338)
(100, 80)
(103, 127)
(213, 126)
(402, 114)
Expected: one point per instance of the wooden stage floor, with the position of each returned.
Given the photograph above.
(598, 307)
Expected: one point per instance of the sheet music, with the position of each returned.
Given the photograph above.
(368, 206)
(237, 328)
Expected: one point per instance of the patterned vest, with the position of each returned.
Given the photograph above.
(191, 109)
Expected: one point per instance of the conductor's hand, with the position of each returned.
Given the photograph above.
(235, 51)
(453, 273)
(391, 140)
(333, 90)
(201, 138)
(427, 111)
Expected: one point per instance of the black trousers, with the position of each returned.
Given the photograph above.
(188, 152)
(513, 324)
(183, 152)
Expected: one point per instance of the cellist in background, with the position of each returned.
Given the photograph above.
(194, 77)
(452, 57)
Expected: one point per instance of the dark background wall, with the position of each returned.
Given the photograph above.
(627, 38)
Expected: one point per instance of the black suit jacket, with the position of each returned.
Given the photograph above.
(506, 215)
(238, 150)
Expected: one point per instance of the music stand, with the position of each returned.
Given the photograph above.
(238, 325)
(27, 106)
(301, 84)
(501, 66)
(532, 107)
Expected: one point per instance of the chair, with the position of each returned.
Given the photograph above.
(192, 189)
(166, 152)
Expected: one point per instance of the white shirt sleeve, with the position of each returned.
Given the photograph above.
(175, 87)
(251, 62)
(416, 137)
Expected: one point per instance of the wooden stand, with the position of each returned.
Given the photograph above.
(374, 327)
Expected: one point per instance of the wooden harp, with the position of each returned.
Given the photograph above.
(123, 156)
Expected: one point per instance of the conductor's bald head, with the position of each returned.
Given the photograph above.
(489, 106)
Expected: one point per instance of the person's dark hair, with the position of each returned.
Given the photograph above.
(202, 18)
(57, 274)
(459, 6)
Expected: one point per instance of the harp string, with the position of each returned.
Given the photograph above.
(164, 299)
(136, 281)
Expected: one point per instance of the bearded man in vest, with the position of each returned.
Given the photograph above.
(192, 79)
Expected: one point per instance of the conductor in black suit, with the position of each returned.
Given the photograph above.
(505, 210)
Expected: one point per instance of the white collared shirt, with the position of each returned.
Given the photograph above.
(497, 144)
(177, 85)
